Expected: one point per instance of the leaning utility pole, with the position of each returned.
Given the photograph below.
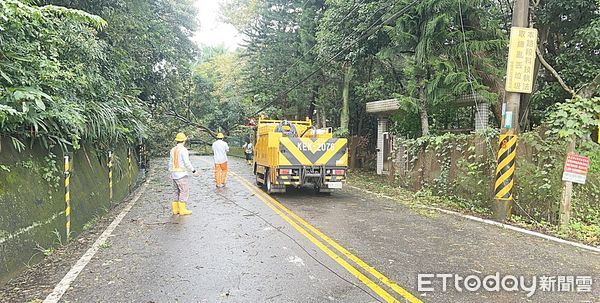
(519, 81)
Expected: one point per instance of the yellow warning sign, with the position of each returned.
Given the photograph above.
(521, 60)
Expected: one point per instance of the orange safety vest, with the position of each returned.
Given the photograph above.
(176, 167)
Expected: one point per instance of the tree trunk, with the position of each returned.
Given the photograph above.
(359, 127)
(425, 161)
(317, 122)
(353, 151)
(567, 194)
(423, 109)
(345, 116)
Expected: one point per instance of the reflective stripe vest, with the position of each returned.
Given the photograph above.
(176, 165)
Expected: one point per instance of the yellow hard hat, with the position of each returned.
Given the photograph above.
(180, 137)
(220, 136)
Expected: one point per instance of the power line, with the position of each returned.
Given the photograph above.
(304, 4)
(356, 5)
(367, 33)
(252, 213)
(378, 19)
(470, 75)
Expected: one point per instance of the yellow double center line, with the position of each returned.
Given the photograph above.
(289, 217)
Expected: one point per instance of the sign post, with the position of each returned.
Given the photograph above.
(575, 171)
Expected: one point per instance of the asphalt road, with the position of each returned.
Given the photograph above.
(239, 245)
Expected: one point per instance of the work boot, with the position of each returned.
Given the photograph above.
(175, 207)
(183, 210)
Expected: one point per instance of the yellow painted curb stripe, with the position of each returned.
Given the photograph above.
(372, 285)
(385, 280)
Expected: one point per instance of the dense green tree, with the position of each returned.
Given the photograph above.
(149, 44)
(52, 85)
(93, 70)
(215, 102)
(280, 53)
(219, 92)
(348, 36)
(240, 13)
(453, 45)
(68, 75)
(570, 41)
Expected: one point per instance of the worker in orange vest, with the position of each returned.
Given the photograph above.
(179, 164)
(220, 149)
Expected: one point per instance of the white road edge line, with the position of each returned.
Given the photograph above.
(66, 281)
(490, 222)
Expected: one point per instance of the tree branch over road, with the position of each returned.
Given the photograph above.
(176, 115)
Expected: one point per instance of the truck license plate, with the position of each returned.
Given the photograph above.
(334, 185)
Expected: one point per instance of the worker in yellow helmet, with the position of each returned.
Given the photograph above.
(179, 164)
(220, 150)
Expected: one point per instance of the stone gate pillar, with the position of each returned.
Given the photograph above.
(382, 109)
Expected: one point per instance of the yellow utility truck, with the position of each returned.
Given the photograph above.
(295, 153)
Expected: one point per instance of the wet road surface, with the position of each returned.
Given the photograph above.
(239, 245)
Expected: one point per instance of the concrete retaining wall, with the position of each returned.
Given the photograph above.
(32, 207)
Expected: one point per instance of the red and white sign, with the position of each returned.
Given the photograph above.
(576, 168)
